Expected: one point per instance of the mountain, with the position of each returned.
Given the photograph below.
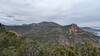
(1, 25)
(2, 28)
(52, 32)
(78, 35)
(48, 39)
(95, 30)
(44, 30)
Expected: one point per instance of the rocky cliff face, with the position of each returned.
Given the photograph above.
(78, 35)
(73, 28)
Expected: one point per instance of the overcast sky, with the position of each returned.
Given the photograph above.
(64, 12)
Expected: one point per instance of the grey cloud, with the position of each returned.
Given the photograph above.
(82, 12)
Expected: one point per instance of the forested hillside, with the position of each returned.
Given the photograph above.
(12, 44)
(53, 32)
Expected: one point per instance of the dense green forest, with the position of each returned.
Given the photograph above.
(13, 45)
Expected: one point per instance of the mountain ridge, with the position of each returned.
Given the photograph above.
(68, 40)
(49, 31)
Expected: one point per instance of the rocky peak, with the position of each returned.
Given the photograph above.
(73, 28)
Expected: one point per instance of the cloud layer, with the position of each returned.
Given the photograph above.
(82, 12)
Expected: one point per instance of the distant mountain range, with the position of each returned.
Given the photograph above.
(52, 32)
(95, 30)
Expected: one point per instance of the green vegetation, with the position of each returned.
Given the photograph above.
(13, 45)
